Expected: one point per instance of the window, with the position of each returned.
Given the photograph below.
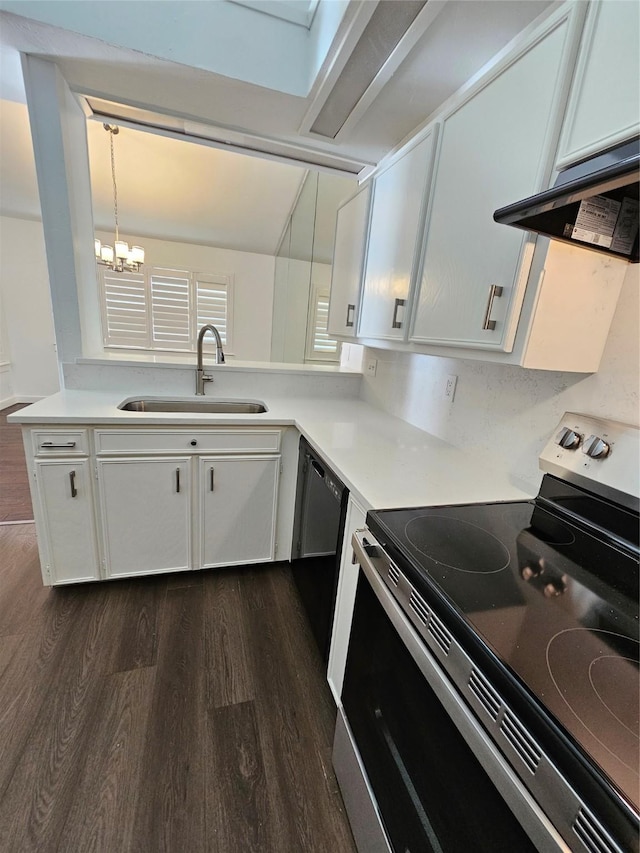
(320, 347)
(162, 309)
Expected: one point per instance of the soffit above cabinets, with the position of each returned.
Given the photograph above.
(460, 39)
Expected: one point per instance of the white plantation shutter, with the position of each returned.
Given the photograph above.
(214, 305)
(320, 347)
(170, 309)
(162, 309)
(125, 316)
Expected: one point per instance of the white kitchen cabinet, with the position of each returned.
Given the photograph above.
(145, 515)
(395, 237)
(345, 600)
(604, 104)
(63, 507)
(496, 146)
(348, 258)
(238, 502)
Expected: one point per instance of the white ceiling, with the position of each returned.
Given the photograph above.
(463, 36)
(173, 189)
(183, 191)
(180, 190)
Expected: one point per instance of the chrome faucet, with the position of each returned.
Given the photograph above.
(201, 376)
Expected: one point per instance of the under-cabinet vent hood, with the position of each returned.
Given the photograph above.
(593, 204)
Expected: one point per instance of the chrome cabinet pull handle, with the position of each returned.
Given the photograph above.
(177, 479)
(72, 482)
(495, 291)
(395, 323)
(211, 485)
(350, 312)
(51, 445)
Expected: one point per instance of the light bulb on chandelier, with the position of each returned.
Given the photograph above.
(123, 258)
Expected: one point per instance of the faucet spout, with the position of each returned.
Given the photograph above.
(201, 377)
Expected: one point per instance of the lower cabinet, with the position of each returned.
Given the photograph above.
(139, 502)
(63, 505)
(145, 515)
(238, 500)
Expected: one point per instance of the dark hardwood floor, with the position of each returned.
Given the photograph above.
(184, 713)
(15, 500)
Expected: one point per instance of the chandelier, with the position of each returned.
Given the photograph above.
(118, 257)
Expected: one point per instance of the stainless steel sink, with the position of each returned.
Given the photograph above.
(194, 404)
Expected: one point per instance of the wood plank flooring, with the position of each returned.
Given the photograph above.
(15, 500)
(177, 713)
(173, 713)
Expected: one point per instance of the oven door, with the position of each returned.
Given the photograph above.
(416, 770)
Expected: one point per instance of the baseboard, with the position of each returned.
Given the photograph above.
(18, 398)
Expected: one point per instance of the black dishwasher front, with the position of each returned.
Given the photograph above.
(321, 501)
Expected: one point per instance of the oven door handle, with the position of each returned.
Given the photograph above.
(408, 782)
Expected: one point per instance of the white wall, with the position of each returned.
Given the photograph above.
(6, 379)
(26, 303)
(253, 287)
(504, 410)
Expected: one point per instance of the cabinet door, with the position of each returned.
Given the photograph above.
(495, 148)
(348, 258)
(604, 105)
(395, 232)
(145, 508)
(65, 505)
(238, 498)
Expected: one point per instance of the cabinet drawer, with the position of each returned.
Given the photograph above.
(58, 442)
(193, 441)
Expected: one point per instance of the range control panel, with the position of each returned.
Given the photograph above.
(602, 455)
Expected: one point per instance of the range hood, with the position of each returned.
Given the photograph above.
(593, 204)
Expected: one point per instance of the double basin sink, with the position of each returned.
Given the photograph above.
(193, 404)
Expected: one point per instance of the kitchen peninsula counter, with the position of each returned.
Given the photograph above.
(383, 460)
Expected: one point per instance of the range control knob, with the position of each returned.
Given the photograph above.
(569, 438)
(596, 447)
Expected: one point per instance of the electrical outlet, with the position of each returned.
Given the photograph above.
(450, 387)
(372, 366)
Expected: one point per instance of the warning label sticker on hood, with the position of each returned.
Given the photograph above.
(606, 222)
(596, 221)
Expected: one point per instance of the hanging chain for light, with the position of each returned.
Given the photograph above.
(113, 129)
(122, 258)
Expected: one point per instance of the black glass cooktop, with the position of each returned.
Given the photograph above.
(553, 595)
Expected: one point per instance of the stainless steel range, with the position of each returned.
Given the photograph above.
(491, 693)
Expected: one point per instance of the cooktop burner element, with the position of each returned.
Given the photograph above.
(595, 674)
(457, 544)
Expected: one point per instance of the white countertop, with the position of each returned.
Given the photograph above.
(383, 461)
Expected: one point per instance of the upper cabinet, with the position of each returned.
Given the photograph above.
(397, 216)
(496, 146)
(437, 262)
(348, 258)
(604, 104)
